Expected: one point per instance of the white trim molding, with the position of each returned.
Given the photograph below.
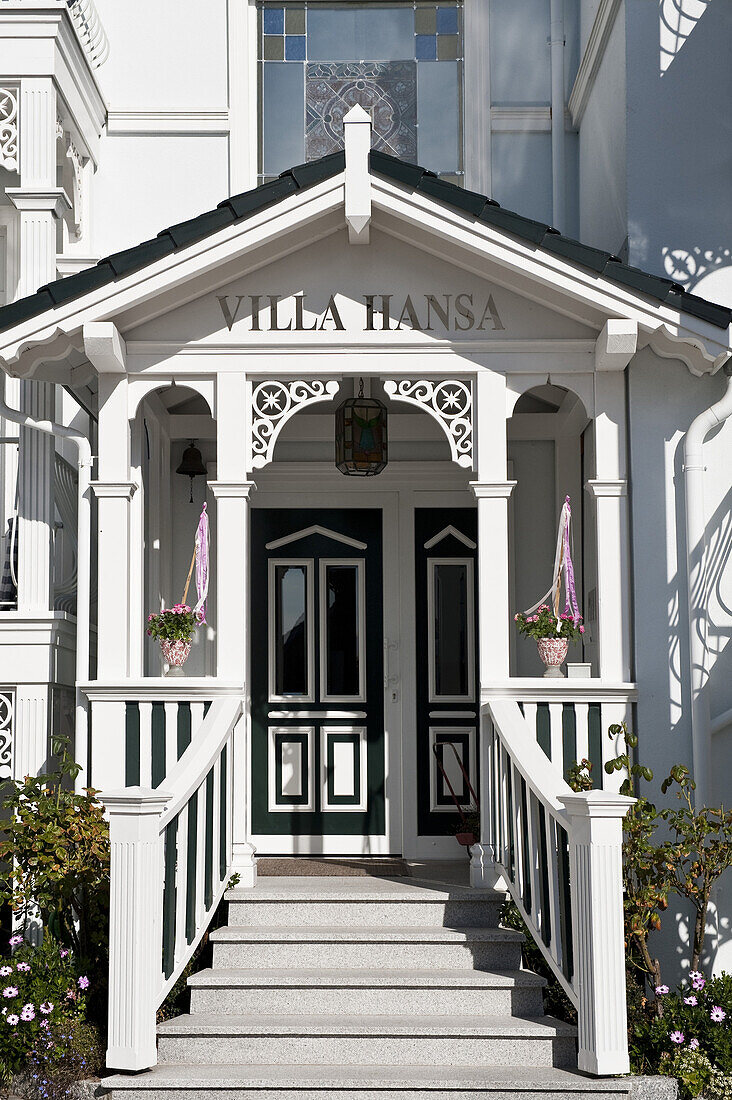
(154, 123)
(449, 401)
(607, 487)
(592, 57)
(486, 489)
(124, 490)
(315, 529)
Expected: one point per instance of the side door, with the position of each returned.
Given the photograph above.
(446, 665)
(317, 700)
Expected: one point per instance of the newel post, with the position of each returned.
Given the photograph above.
(595, 830)
(135, 924)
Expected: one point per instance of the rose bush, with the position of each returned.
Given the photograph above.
(178, 623)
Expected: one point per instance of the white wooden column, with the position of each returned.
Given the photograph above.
(609, 488)
(492, 491)
(232, 491)
(39, 203)
(114, 491)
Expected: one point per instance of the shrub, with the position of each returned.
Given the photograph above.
(43, 992)
(63, 1054)
(55, 855)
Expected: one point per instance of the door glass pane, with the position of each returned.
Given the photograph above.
(342, 628)
(291, 630)
(452, 623)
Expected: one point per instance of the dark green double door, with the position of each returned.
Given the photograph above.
(317, 702)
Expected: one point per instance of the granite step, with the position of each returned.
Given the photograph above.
(390, 947)
(211, 1038)
(367, 991)
(409, 1082)
(362, 903)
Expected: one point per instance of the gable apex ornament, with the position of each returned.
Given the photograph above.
(357, 141)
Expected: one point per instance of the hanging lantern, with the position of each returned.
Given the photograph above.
(192, 464)
(361, 446)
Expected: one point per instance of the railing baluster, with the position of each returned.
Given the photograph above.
(157, 743)
(192, 865)
(145, 727)
(582, 732)
(169, 902)
(196, 711)
(223, 813)
(201, 854)
(554, 899)
(171, 735)
(181, 883)
(215, 839)
(209, 838)
(183, 722)
(556, 733)
(530, 714)
(532, 854)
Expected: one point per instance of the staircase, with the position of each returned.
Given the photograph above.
(363, 988)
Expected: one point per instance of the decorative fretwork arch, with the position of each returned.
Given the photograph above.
(449, 401)
(274, 402)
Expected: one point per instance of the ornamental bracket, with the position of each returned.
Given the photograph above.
(273, 403)
(449, 402)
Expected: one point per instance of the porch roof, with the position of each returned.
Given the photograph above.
(238, 208)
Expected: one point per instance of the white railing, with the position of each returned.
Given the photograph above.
(141, 728)
(560, 856)
(571, 719)
(171, 857)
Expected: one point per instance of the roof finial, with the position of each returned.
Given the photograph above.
(357, 140)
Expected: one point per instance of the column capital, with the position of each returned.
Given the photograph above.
(487, 489)
(135, 801)
(236, 489)
(40, 199)
(120, 489)
(607, 487)
(596, 804)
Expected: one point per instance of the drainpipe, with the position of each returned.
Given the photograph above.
(556, 45)
(83, 580)
(700, 428)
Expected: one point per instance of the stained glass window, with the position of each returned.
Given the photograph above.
(403, 62)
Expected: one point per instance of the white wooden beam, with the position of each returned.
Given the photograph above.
(616, 345)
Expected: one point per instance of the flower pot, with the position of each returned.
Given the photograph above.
(553, 651)
(466, 839)
(175, 653)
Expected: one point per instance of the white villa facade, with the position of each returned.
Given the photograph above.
(355, 625)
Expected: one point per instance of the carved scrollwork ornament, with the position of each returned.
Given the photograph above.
(9, 129)
(449, 401)
(274, 402)
(6, 736)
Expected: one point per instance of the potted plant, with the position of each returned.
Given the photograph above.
(174, 629)
(468, 831)
(553, 633)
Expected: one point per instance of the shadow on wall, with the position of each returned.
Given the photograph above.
(677, 20)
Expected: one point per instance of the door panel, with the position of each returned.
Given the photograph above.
(317, 673)
(446, 651)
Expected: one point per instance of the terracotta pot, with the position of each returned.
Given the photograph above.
(466, 839)
(176, 653)
(553, 651)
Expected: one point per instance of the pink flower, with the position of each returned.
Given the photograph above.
(46, 1008)
(45, 1023)
(70, 994)
(83, 982)
(15, 941)
(695, 975)
(661, 990)
(28, 1013)
(676, 1037)
(5, 970)
(10, 991)
(581, 630)
(12, 1019)
(64, 952)
(717, 1014)
(22, 966)
(690, 1000)
(699, 984)
(693, 1044)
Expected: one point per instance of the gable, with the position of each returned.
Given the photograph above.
(332, 293)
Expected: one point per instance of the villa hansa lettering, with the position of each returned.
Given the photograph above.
(381, 312)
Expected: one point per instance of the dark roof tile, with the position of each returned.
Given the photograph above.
(641, 281)
(315, 171)
(398, 170)
(196, 228)
(578, 253)
(530, 230)
(249, 202)
(715, 314)
(73, 286)
(132, 259)
(25, 308)
(468, 201)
